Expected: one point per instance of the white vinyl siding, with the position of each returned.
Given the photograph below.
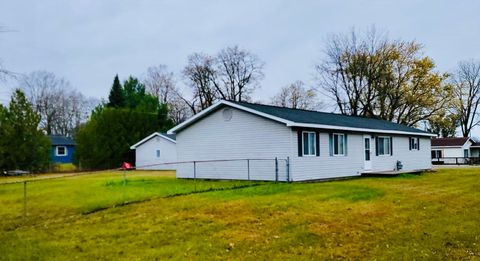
(411, 159)
(450, 153)
(249, 136)
(243, 136)
(152, 154)
(325, 166)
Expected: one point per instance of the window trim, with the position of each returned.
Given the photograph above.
(437, 152)
(333, 143)
(414, 143)
(61, 155)
(389, 138)
(314, 144)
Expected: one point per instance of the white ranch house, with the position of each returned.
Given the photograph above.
(154, 151)
(317, 145)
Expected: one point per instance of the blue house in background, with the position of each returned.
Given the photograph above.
(62, 150)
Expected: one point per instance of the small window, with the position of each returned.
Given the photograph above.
(384, 146)
(338, 144)
(157, 153)
(309, 143)
(61, 151)
(414, 144)
(436, 154)
(466, 153)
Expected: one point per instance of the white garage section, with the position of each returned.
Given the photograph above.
(155, 152)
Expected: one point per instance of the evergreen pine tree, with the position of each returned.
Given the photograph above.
(3, 140)
(116, 97)
(26, 145)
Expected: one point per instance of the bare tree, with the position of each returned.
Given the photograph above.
(160, 83)
(233, 74)
(372, 76)
(466, 82)
(297, 96)
(199, 75)
(348, 71)
(178, 109)
(238, 73)
(73, 109)
(60, 107)
(44, 90)
(4, 73)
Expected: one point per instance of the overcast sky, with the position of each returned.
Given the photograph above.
(88, 42)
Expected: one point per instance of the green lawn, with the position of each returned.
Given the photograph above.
(432, 216)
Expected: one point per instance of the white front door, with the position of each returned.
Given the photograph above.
(367, 152)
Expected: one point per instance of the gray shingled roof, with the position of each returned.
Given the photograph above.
(171, 136)
(324, 118)
(58, 140)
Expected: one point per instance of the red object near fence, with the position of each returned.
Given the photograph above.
(127, 166)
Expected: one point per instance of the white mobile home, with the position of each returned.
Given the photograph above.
(309, 145)
(458, 150)
(451, 147)
(154, 151)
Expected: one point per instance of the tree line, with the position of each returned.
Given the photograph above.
(371, 75)
(129, 115)
(361, 74)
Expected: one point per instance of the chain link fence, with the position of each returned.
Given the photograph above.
(30, 200)
(261, 169)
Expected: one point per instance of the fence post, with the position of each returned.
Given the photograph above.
(276, 169)
(24, 200)
(195, 175)
(248, 169)
(288, 169)
(124, 186)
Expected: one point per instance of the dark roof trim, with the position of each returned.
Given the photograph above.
(59, 140)
(451, 142)
(290, 117)
(169, 137)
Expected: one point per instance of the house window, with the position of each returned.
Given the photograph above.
(61, 151)
(466, 153)
(436, 154)
(157, 153)
(414, 144)
(384, 146)
(309, 142)
(338, 144)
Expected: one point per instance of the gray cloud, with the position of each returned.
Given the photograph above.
(88, 42)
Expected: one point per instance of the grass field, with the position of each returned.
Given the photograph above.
(432, 216)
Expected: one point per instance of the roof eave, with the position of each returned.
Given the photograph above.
(231, 104)
(149, 137)
(333, 127)
(443, 146)
(286, 122)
